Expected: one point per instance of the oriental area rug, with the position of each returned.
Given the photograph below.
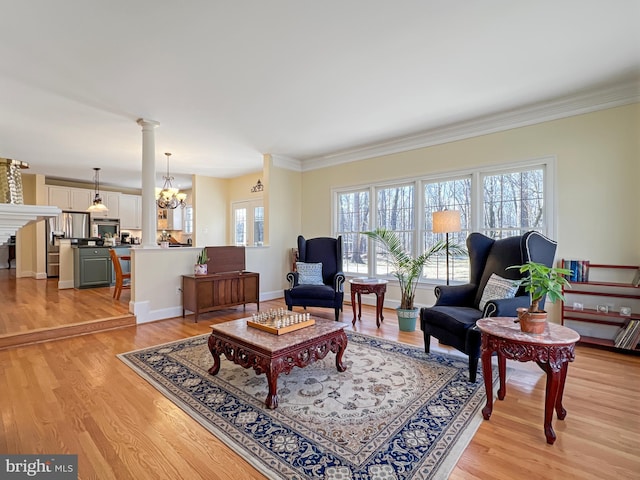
(395, 413)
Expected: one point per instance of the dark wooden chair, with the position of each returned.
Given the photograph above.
(123, 280)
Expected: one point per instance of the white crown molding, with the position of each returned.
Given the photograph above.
(577, 104)
(289, 163)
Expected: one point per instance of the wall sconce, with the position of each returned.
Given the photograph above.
(258, 187)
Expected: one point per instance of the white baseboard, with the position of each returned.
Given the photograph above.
(62, 284)
(145, 315)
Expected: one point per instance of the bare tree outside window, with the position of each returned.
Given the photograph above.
(353, 219)
(447, 195)
(513, 203)
(395, 211)
(510, 201)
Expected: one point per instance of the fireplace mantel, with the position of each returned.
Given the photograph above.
(13, 217)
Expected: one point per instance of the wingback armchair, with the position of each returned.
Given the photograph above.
(452, 320)
(312, 285)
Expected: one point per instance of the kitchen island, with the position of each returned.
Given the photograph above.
(92, 266)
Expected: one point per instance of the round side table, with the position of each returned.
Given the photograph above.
(552, 350)
(368, 285)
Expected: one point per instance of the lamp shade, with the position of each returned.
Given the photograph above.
(446, 221)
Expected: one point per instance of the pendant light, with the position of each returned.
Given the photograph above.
(170, 197)
(97, 206)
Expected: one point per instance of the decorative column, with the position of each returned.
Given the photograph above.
(149, 211)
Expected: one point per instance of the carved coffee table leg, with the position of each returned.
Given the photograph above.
(272, 379)
(488, 382)
(342, 342)
(502, 373)
(216, 356)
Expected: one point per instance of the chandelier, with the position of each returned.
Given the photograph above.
(170, 197)
(97, 206)
(258, 187)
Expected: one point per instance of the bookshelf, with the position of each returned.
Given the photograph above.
(603, 304)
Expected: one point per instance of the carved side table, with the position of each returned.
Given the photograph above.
(367, 285)
(551, 350)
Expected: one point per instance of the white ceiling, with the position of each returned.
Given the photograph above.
(306, 80)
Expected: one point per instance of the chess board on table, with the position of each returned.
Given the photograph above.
(279, 322)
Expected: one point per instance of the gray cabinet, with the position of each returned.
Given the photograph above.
(92, 267)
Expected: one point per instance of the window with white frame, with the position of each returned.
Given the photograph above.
(499, 201)
(248, 223)
(352, 220)
(188, 219)
(394, 211)
(513, 202)
(439, 195)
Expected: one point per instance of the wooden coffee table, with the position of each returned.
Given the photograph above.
(274, 354)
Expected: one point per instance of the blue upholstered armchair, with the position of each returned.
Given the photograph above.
(453, 318)
(315, 285)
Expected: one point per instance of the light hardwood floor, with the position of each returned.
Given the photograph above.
(75, 396)
(34, 310)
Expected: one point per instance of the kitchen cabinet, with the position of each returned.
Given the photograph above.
(92, 267)
(112, 201)
(81, 198)
(130, 212)
(68, 198)
(170, 219)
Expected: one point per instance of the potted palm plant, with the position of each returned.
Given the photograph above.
(540, 282)
(407, 270)
(200, 268)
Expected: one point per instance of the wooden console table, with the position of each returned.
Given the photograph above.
(206, 293)
(552, 350)
(228, 283)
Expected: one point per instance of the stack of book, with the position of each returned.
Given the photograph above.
(629, 336)
(579, 270)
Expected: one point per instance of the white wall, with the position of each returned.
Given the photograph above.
(156, 279)
(210, 199)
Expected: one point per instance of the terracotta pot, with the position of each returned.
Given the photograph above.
(532, 322)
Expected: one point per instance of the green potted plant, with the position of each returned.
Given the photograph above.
(200, 267)
(407, 270)
(540, 282)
